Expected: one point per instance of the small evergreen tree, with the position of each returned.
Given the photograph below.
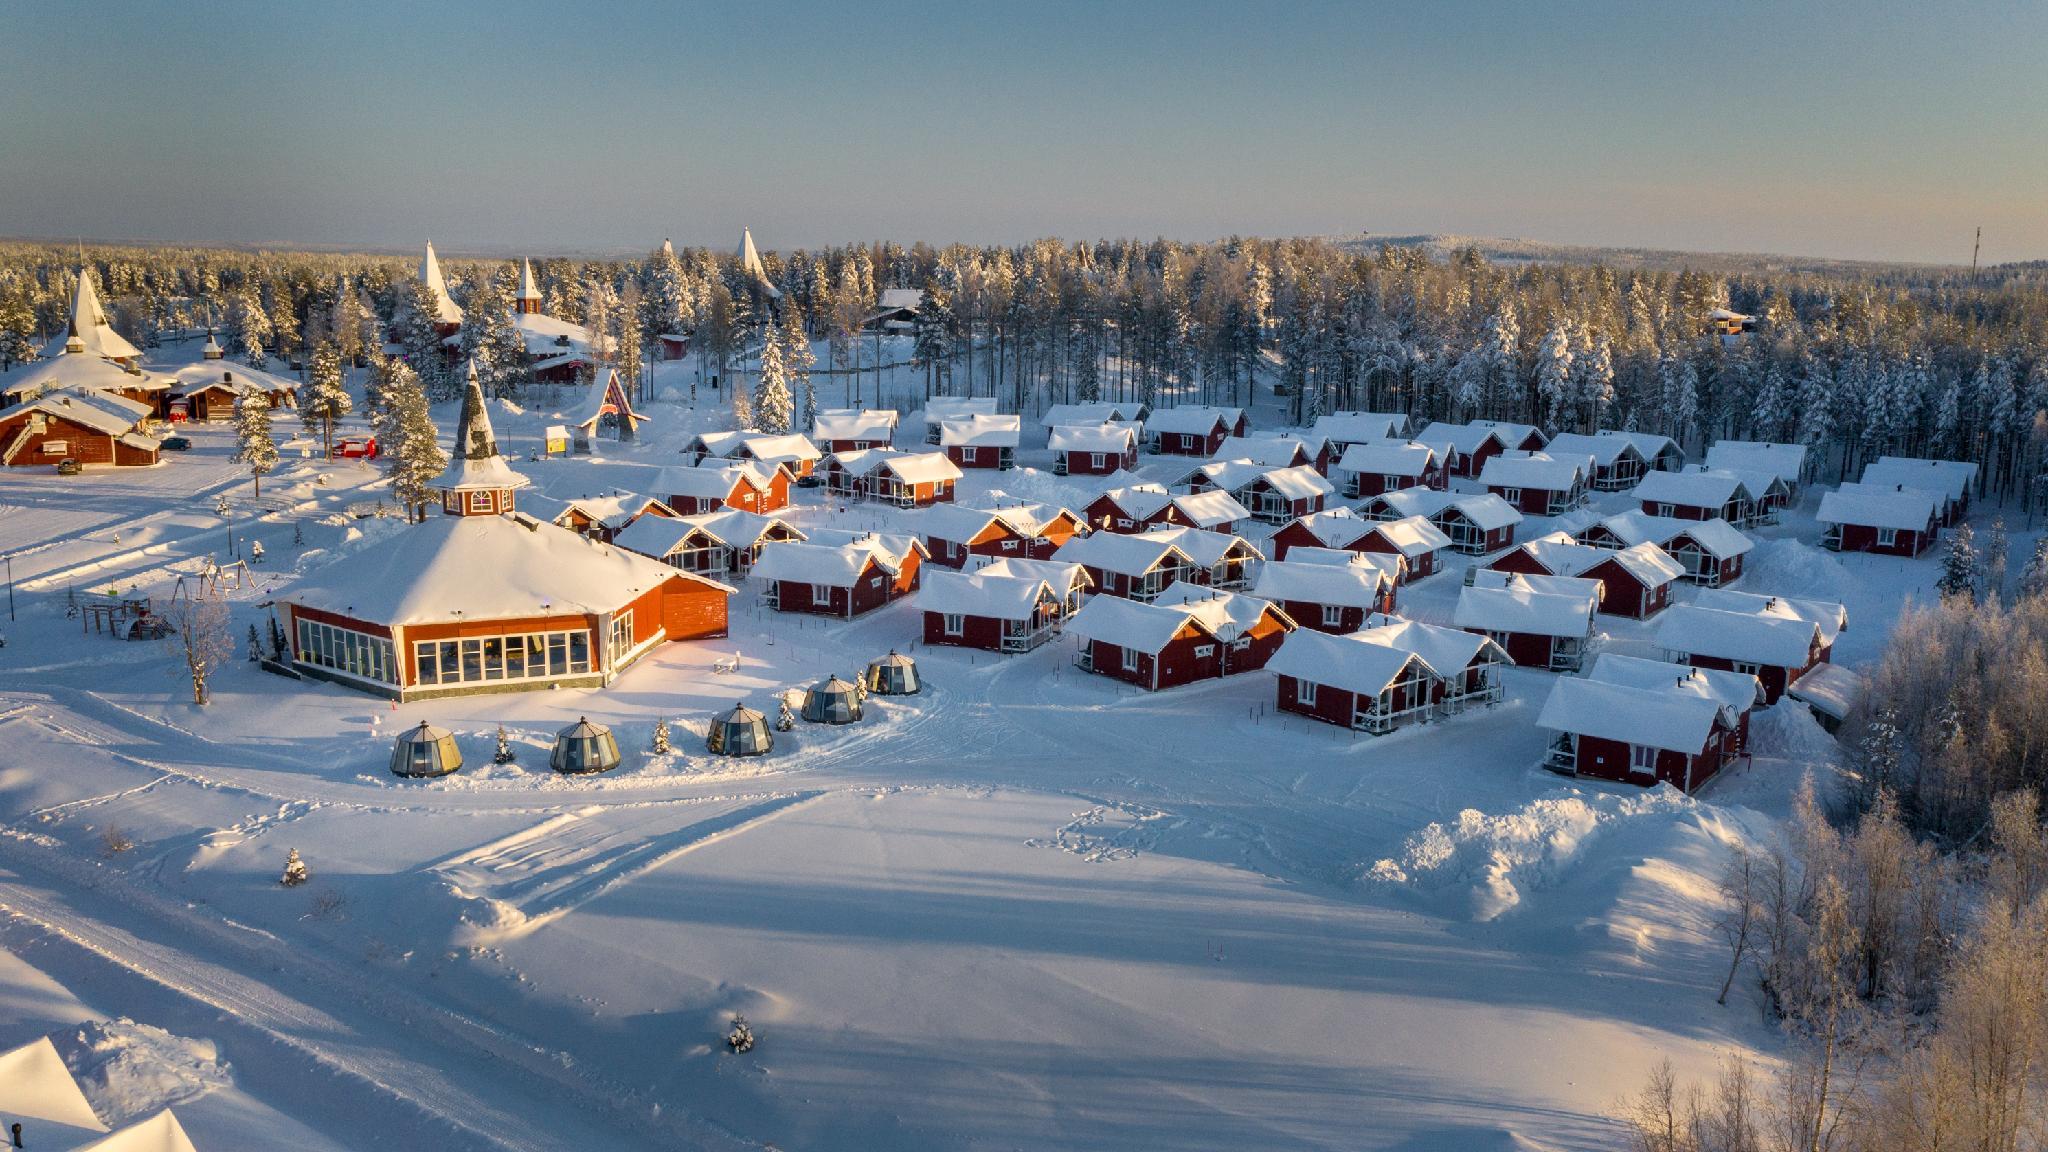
(739, 1035)
(327, 398)
(2034, 578)
(1996, 551)
(1959, 566)
(661, 746)
(255, 446)
(295, 872)
(503, 754)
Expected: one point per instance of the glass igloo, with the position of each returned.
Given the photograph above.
(584, 747)
(832, 701)
(893, 675)
(425, 751)
(740, 732)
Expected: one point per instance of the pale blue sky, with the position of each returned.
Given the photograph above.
(1852, 130)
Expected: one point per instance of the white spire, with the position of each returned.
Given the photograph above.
(430, 277)
(88, 330)
(750, 261)
(527, 289)
(667, 250)
(476, 463)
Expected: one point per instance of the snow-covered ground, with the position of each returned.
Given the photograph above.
(1028, 908)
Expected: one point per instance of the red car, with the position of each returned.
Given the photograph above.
(356, 448)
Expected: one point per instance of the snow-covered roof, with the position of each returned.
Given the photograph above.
(984, 594)
(721, 443)
(1071, 415)
(159, 1133)
(454, 568)
(1204, 547)
(1271, 451)
(1485, 510)
(475, 463)
(1129, 555)
(1694, 630)
(1227, 615)
(1738, 691)
(1193, 419)
(1396, 567)
(1412, 536)
(1648, 563)
(1210, 509)
(1512, 435)
(780, 449)
(981, 430)
(611, 509)
(1105, 438)
(1138, 500)
(861, 461)
(445, 311)
(736, 526)
(836, 564)
(89, 327)
(1716, 537)
(1785, 461)
(92, 408)
(1868, 505)
(1359, 427)
(1448, 651)
(960, 523)
(1131, 624)
(1466, 438)
(1951, 478)
(1694, 488)
(37, 1089)
(543, 335)
(1831, 688)
(1337, 527)
(940, 408)
(1560, 555)
(1351, 586)
(1388, 458)
(1580, 586)
(1645, 717)
(76, 371)
(1519, 607)
(895, 547)
(1604, 450)
(1831, 616)
(854, 424)
(1650, 444)
(236, 378)
(1539, 470)
(1299, 482)
(921, 467)
(893, 299)
(1347, 663)
(709, 481)
(1060, 574)
(656, 536)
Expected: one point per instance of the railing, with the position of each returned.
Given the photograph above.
(1027, 640)
(1562, 756)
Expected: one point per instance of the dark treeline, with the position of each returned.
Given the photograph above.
(1855, 363)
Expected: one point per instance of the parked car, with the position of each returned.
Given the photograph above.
(176, 444)
(356, 448)
(68, 467)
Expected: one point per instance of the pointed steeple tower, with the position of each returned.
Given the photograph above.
(213, 349)
(750, 263)
(478, 482)
(527, 301)
(447, 314)
(88, 330)
(668, 251)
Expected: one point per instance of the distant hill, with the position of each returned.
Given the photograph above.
(1506, 251)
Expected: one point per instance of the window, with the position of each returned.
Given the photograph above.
(523, 656)
(1204, 651)
(1660, 509)
(56, 447)
(479, 501)
(1305, 693)
(821, 594)
(1333, 615)
(1124, 524)
(1747, 667)
(1642, 759)
(1130, 659)
(1511, 495)
(1009, 545)
(875, 583)
(620, 641)
(1096, 459)
(956, 624)
(1887, 537)
(358, 654)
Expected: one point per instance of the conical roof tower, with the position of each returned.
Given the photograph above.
(446, 313)
(87, 330)
(527, 300)
(478, 482)
(750, 262)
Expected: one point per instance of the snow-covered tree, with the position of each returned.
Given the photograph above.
(255, 445)
(492, 341)
(1595, 382)
(200, 632)
(1997, 550)
(1554, 374)
(412, 444)
(739, 1035)
(2034, 578)
(327, 398)
(1959, 565)
(412, 328)
(796, 353)
(661, 745)
(503, 754)
(774, 407)
(295, 872)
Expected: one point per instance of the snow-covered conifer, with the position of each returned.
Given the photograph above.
(503, 754)
(1959, 565)
(1554, 360)
(661, 745)
(774, 408)
(413, 456)
(295, 872)
(2034, 578)
(255, 446)
(327, 398)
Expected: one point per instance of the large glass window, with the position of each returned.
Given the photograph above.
(621, 639)
(346, 650)
(525, 656)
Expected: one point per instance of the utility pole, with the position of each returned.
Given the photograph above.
(1976, 247)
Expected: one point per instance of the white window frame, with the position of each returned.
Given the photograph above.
(1305, 693)
(1333, 615)
(1642, 760)
(1130, 661)
(478, 500)
(1747, 667)
(1097, 459)
(1204, 651)
(953, 623)
(1887, 537)
(620, 638)
(821, 594)
(1512, 496)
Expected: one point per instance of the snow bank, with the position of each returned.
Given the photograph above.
(130, 1070)
(1495, 859)
(1786, 567)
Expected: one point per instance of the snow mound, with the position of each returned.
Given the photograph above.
(1796, 568)
(130, 1070)
(1495, 859)
(1787, 730)
(509, 408)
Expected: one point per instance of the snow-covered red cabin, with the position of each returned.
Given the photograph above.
(207, 391)
(1617, 462)
(1389, 466)
(1740, 692)
(1888, 521)
(1343, 429)
(1415, 540)
(913, 480)
(1192, 634)
(1474, 524)
(1275, 451)
(840, 573)
(716, 542)
(851, 473)
(1467, 446)
(1027, 531)
(1331, 528)
(1637, 735)
(600, 518)
(1699, 494)
(984, 440)
(852, 429)
(716, 445)
(1392, 671)
(1660, 453)
(742, 484)
(1785, 463)
(990, 611)
(1948, 480)
(1137, 507)
(1548, 629)
(1326, 597)
(1273, 494)
(1090, 414)
(1133, 567)
(1070, 582)
(940, 409)
(1192, 430)
(1538, 483)
(83, 424)
(1710, 551)
(1222, 559)
(1776, 648)
(1636, 581)
(1093, 450)
(792, 450)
